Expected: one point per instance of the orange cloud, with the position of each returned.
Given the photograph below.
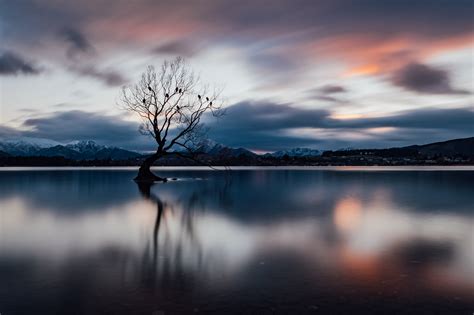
(370, 55)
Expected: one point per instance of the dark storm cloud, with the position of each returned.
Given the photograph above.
(78, 43)
(424, 79)
(13, 64)
(67, 126)
(265, 126)
(268, 117)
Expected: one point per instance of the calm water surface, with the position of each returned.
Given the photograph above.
(249, 241)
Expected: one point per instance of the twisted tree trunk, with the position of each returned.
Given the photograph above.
(144, 172)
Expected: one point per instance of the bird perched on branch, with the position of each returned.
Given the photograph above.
(207, 99)
(199, 96)
(149, 89)
(167, 95)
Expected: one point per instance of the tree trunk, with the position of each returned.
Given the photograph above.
(144, 172)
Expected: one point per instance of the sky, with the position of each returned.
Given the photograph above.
(323, 74)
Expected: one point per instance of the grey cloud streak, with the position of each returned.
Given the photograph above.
(109, 77)
(77, 41)
(181, 47)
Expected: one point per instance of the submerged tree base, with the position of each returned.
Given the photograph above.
(146, 176)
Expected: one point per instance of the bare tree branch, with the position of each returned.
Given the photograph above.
(170, 104)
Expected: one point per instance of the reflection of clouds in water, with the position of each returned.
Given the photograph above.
(308, 233)
(68, 192)
(209, 243)
(45, 235)
(261, 195)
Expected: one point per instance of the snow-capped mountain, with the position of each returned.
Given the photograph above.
(26, 146)
(19, 148)
(296, 152)
(87, 146)
(77, 150)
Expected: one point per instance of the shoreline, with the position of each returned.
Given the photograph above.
(237, 168)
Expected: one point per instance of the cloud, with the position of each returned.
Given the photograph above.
(326, 93)
(8, 132)
(270, 126)
(424, 79)
(265, 126)
(13, 64)
(272, 61)
(363, 33)
(332, 89)
(65, 126)
(176, 48)
(441, 119)
(78, 43)
(108, 77)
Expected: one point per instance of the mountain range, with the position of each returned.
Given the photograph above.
(90, 150)
(77, 150)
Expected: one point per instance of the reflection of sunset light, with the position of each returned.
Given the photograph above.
(347, 214)
(360, 266)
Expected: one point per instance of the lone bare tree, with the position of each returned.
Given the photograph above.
(170, 104)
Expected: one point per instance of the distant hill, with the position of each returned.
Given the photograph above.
(59, 150)
(447, 148)
(457, 149)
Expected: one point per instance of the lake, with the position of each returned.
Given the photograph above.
(243, 241)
